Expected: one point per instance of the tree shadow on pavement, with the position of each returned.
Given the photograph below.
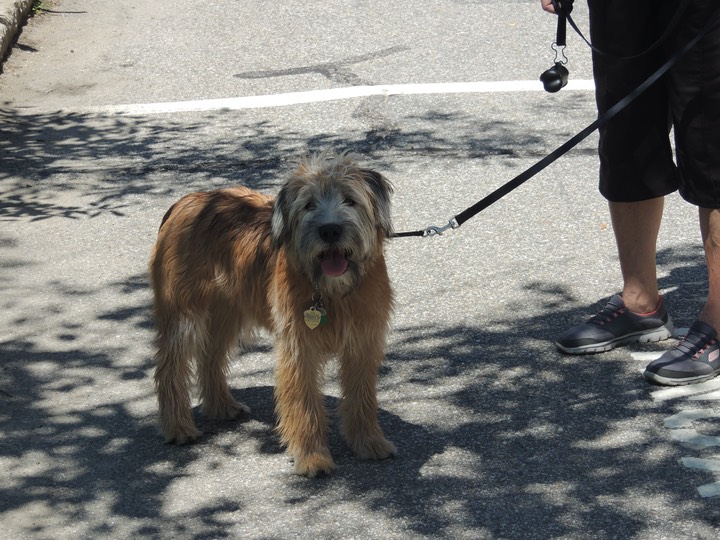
(499, 435)
(75, 165)
(518, 441)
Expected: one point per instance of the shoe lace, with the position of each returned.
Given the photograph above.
(695, 344)
(606, 314)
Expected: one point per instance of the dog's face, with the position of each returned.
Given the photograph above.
(331, 217)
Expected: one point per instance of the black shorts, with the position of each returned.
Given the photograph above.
(636, 160)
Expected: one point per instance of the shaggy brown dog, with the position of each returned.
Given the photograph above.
(307, 266)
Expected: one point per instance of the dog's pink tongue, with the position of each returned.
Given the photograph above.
(334, 263)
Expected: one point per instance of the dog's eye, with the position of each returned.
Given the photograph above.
(309, 205)
(349, 202)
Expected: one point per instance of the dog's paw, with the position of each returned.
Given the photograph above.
(182, 436)
(315, 464)
(229, 410)
(374, 448)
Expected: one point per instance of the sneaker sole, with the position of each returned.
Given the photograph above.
(659, 334)
(665, 381)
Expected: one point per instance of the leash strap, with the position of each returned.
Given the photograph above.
(564, 8)
(524, 176)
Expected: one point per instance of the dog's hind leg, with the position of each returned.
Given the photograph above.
(213, 366)
(358, 409)
(302, 420)
(177, 343)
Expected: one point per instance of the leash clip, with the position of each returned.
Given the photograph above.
(434, 230)
(560, 57)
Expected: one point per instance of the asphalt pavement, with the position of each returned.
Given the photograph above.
(110, 111)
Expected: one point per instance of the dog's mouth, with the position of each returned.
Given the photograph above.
(334, 262)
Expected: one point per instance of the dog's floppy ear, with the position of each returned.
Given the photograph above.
(382, 188)
(280, 218)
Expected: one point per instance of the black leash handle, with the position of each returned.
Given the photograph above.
(524, 176)
(563, 15)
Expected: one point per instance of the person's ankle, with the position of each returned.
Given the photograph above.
(642, 304)
(710, 318)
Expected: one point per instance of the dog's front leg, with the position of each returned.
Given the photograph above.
(302, 420)
(358, 411)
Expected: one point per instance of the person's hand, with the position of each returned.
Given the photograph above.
(547, 5)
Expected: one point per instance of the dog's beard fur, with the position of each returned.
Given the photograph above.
(229, 261)
(357, 212)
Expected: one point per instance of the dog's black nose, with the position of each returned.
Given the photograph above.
(330, 232)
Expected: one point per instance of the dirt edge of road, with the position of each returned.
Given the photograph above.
(13, 14)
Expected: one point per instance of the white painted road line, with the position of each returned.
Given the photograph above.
(692, 439)
(332, 94)
(649, 356)
(692, 391)
(710, 465)
(684, 419)
(682, 431)
(710, 396)
(709, 490)
(646, 356)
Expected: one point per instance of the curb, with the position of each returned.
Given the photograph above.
(12, 16)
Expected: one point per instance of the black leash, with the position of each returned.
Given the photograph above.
(524, 176)
(565, 8)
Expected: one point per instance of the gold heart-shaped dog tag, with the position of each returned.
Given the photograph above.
(312, 318)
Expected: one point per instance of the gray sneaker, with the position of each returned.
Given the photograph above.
(696, 358)
(616, 325)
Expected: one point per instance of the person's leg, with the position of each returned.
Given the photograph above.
(710, 229)
(694, 96)
(636, 172)
(638, 314)
(696, 357)
(636, 159)
(636, 226)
